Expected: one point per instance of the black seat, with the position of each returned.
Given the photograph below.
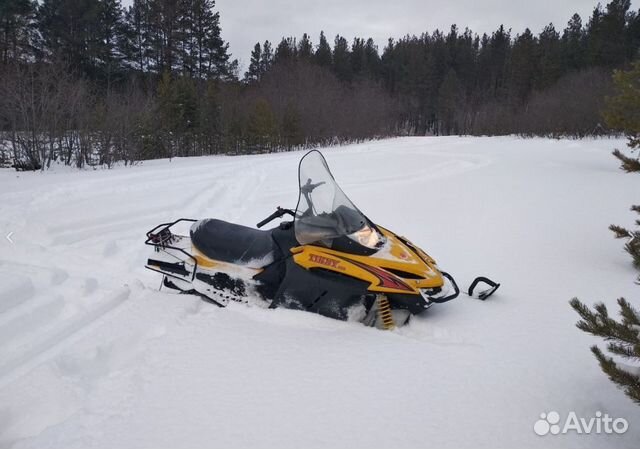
(228, 242)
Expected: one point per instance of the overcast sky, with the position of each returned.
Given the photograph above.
(245, 22)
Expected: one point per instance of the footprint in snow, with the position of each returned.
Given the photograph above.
(89, 286)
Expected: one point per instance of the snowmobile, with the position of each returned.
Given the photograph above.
(329, 258)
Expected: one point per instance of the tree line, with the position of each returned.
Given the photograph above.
(92, 82)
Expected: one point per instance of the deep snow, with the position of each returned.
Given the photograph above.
(93, 355)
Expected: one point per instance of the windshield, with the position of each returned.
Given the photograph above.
(324, 212)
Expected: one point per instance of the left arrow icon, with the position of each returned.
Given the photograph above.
(9, 237)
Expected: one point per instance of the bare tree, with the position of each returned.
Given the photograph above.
(42, 105)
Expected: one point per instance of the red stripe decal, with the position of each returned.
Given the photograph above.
(387, 280)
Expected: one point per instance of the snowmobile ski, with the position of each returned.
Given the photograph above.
(484, 294)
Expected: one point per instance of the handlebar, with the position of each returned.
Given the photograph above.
(277, 214)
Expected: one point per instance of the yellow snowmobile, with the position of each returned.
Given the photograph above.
(329, 259)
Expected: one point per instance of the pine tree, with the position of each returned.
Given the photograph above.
(323, 52)
(573, 44)
(186, 51)
(595, 36)
(266, 59)
(606, 34)
(164, 28)
(549, 58)
(342, 59)
(179, 36)
(371, 59)
(632, 34)
(254, 72)
(137, 43)
(484, 68)
(429, 77)
(72, 32)
(623, 338)
(614, 23)
(524, 66)
(85, 34)
(623, 109)
(305, 48)
(285, 51)
(632, 246)
(497, 53)
(110, 36)
(465, 61)
(17, 23)
(365, 60)
(214, 59)
(358, 57)
(622, 112)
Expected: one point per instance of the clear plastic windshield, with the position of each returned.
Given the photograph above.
(324, 212)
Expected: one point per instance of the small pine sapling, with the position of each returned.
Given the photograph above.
(622, 337)
(623, 341)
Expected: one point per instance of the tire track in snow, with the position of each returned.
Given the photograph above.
(49, 345)
(42, 311)
(46, 314)
(16, 291)
(44, 322)
(223, 199)
(90, 232)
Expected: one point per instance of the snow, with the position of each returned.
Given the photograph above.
(92, 355)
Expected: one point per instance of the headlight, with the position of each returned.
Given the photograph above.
(367, 236)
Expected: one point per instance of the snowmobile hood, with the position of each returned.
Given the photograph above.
(397, 267)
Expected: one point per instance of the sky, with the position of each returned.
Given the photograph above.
(245, 22)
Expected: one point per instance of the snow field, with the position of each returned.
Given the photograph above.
(92, 355)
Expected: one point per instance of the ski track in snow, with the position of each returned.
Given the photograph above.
(92, 355)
